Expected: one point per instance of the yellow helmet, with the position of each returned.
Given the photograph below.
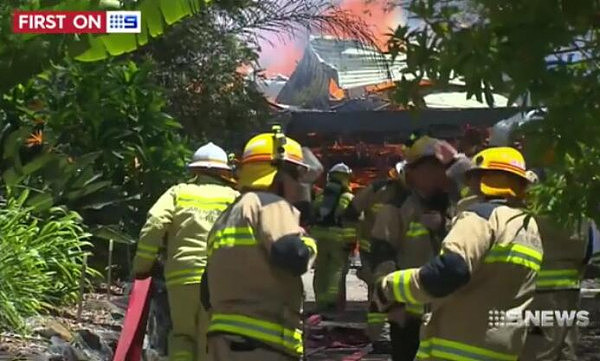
(265, 154)
(505, 160)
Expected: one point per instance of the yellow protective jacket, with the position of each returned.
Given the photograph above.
(179, 222)
(340, 233)
(410, 243)
(248, 294)
(488, 263)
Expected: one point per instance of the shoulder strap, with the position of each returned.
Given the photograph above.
(483, 209)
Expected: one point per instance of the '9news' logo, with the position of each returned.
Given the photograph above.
(123, 21)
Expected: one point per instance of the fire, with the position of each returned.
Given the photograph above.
(283, 57)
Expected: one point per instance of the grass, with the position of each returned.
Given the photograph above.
(40, 260)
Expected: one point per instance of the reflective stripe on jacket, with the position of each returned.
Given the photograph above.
(564, 255)
(503, 257)
(250, 296)
(261, 330)
(180, 221)
(344, 234)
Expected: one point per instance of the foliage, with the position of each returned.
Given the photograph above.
(544, 51)
(40, 259)
(197, 63)
(208, 62)
(34, 52)
(98, 141)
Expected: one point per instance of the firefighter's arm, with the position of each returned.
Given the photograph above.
(458, 168)
(358, 204)
(349, 227)
(153, 232)
(463, 250)
(286, 243)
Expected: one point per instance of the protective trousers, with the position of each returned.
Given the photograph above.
(556, 342)
(377, 325)
(329, 273)
(185, 340)
(405, 338)
(223, 347)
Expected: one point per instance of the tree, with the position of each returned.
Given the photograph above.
(547, 51)
(34, 52)
(199, 62)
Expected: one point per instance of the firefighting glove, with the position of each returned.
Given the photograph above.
(291, 254)
(381, 302)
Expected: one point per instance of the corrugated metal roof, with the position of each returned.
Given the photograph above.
(355, 65)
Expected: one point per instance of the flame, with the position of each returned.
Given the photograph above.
(283, 57)
(335, 91)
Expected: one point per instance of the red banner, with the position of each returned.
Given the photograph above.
(76, 22)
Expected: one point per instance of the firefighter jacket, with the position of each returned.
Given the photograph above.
(329, 208)
(251, 292)
(180, 222)
(400, 239)
(369, 201)
(489, 262)
(564, 256)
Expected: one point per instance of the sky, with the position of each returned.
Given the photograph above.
(282, 56)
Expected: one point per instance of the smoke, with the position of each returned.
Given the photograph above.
(279, 57)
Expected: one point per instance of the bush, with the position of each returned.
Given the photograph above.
(40, 260)
(118, 151)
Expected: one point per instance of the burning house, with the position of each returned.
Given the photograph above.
(336, 103)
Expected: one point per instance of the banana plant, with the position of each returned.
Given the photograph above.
(22, 56)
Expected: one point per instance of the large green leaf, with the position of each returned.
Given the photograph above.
(156, 15)
(33, 52)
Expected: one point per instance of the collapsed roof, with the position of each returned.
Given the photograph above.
(330, 68)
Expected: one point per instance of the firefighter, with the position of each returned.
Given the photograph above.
(257, 255)
(335, 238)
(364, 207)
(362, 211)
(566, 254)
(179, 222)
(489, 262)
(408, 229)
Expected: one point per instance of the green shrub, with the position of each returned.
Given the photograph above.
(40, 260)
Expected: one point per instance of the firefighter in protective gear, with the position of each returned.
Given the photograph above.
(489, 262)
(180, 222)
(336, 238)
(362, 211)
(409, 228)
(257, 255)
(566, 254)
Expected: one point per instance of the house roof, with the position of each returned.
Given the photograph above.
(356, 65)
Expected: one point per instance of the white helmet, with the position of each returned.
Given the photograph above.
(400, 167)
(532, 177)
(340, 168)
(210, 156)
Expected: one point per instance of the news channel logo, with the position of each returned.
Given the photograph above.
(123, 22)
(538, 318)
